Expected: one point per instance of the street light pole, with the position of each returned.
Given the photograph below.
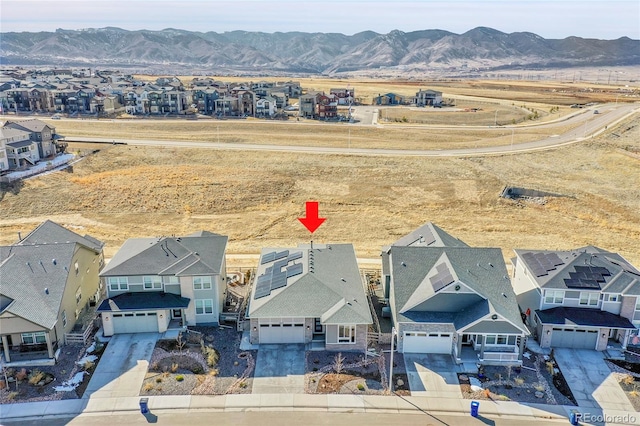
(393, 333)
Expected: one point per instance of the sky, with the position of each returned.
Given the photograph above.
(547, 18)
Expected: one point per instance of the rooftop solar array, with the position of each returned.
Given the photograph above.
(624, 265)
(443, 278)
(276, 275)
(542, 263)
(587, 277)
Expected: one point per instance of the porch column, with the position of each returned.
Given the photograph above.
(482, 346)
(49, 347)
(5, 348)
(521, 346)
(624, 340)
(459, 346)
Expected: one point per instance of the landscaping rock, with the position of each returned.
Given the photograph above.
(539, 394)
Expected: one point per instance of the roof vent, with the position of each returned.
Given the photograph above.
(55, 262)
(403, 264)
(491, 264)
(343, 280)
(46, 290)
(504, 295)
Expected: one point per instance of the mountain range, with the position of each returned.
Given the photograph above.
(326, 53)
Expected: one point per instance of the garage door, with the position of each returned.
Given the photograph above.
(282, 332)
(572, 338)
(136, 322)
(427, 343)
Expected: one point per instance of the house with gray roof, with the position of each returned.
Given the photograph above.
(311, 294)
(449, 298)
(586, 298)
(155, 284)
(41, 133)
(48, 279)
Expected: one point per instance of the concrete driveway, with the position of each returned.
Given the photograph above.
(432, 375)
(591, 381)
(279, 369)
(123, 365)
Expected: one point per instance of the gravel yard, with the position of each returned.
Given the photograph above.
(532, 383)
(24, 385)
(189, 371)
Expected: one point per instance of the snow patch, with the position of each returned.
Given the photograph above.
(84, 359)
(72, 383)
(476, 384)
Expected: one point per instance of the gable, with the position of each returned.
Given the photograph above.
(493, 326)
(439, 276)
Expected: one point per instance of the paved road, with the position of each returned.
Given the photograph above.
(591, 125)
(252, 418)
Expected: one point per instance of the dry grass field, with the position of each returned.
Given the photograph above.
(255, 198)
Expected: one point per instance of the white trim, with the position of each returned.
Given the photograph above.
(348, 338)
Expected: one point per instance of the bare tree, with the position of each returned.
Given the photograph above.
(180, 344)
(338, 363)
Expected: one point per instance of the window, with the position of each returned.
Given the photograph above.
(34, 338)
(204, 306)
(152, 283)
(64, 318)
(201, 283)
(500, 339)
(590, 299)
(78, 295)
(346, 334)
(553, 296)
(118, 283)
(611, 297)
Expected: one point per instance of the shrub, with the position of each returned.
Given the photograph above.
(549, 365)
(174, 367)
(197, 370)
(519, 380)
(628, 379)
(88, 365)
(360, 387)
(147, 387)
(12, 395)
(214, 372)
(3, 384)
(210, 354)
(243, 385)
(21, 375)
(36, 377)
(179, 378)
(158, 379)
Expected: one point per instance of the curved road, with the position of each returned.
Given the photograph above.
(588, 125)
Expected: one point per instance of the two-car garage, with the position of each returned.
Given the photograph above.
(577, 338)
(429, 343)
(135, 322)
(285, 330)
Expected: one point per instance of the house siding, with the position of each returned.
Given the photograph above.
(628, 307)
(603, 339)
(527, 292)
(359, 345)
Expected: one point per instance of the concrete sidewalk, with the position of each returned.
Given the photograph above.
(302, 402)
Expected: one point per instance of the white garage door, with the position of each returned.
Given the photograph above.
(572, 338)
(427, 343)
(136, 322)
(282, 332)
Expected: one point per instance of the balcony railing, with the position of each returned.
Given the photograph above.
(507, 354)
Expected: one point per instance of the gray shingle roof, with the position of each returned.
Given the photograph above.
(32, 125)
(24, 279)
(481, 269)
(143, 301)
(51, 233)
(621, 281)
(333, 291)
(6, 132)
(421, 238)
(191, 255)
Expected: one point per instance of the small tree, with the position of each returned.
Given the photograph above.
(179, 342)
(338, 363)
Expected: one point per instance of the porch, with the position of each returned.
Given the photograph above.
(491, 356)
(34, 354)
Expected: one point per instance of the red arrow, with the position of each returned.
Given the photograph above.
(312, 221)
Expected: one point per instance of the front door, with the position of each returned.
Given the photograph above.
(176, 313)
(317, 327)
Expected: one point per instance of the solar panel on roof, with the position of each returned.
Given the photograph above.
(571, 283)
(277, 266)
(281, 255)
(555, 259)
(293, 270)
(601, 270)
(279, 282)
(294, 256)
(269, 257)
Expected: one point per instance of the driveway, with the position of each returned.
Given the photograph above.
(432, 375)
(592, 383)
(279, 369)
(123, 366)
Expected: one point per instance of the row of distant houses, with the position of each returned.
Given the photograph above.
(23, 143)
(422, 98)
(110, 93)
(443, 296)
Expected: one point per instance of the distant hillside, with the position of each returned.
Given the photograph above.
(312, 52)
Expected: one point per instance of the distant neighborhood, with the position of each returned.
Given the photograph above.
(87, 92)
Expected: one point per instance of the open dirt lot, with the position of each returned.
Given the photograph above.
(256, 198)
